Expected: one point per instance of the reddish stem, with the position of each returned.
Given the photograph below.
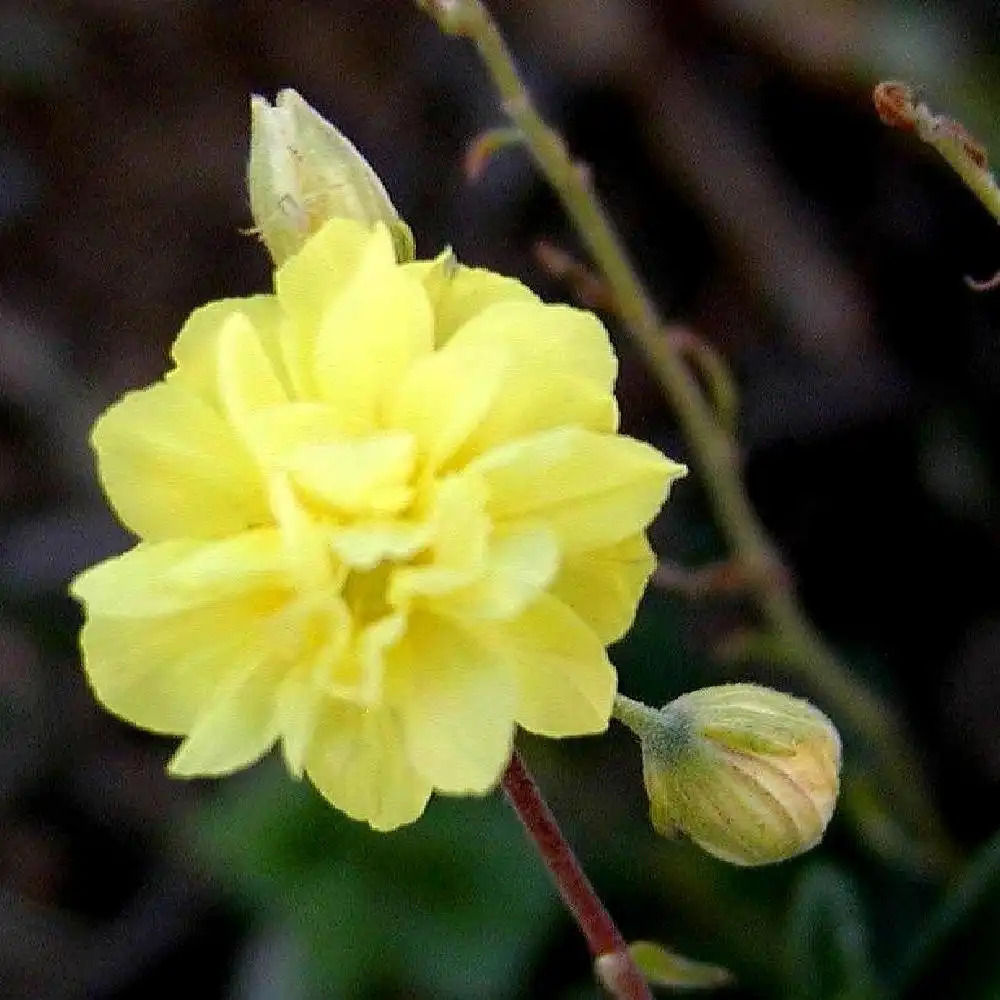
(615, 966)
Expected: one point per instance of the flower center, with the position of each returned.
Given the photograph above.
(365, 593)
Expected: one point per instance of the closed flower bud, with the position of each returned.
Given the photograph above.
(749, 774)
(303, 172)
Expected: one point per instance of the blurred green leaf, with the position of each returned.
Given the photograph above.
(827, 938)
(881, 829)
(453, 906)
(663, 967)
(956, 953)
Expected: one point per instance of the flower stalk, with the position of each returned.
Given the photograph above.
(897, 107)
(610, 951)
(712, 444)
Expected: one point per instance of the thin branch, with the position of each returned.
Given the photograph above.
(897, 107)
(713, 447)
(607, 946)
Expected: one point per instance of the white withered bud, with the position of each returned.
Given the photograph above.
(749, 774)
(303, 172)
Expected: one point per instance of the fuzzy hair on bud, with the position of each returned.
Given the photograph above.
(749, 774)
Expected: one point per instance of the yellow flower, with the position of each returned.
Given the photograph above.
(384, 517)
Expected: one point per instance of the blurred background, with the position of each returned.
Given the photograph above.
(822, 254)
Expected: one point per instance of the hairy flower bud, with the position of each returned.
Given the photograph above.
(304, 172)
(749, 774)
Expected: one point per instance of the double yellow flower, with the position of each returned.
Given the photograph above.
(384, 518)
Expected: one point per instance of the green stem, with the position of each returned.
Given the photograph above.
(636, 716)
(946, 136)
(714, 448)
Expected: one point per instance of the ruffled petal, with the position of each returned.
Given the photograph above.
(235, 729)
(315, 636)
(603, 586)
(366, 663)
(162, 673)
(459, 293)
(163, 578)
(358, 762)
(196, 349)
(274, 433)
(553, 338)
(591, 490)
(533, 400)
(565, 682)
(369, 337)
(559, 373)
(458, 532)
(247, 380)
(325, 263)
(308, 557)
(456, 699)
(367, 476)
(363, 546)
(519, 566)
(310, 280)
(445, 396)
(333, 660)
(173, 468)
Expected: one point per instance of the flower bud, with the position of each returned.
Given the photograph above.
(749, 774)
(303, 172)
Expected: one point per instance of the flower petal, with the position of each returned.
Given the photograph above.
(162, 673)
(325, 263)
(358, 762)
(555, 338)
(535, 400)
(444, 397)
(172, 468)
(559, 373)
(456, 700)
(363, 546)
(566, 684)
(591, 489)
(195, 351)
(247, 378)
(163, 578)
(603, 586)
(370, 475)
(310, 280)
(308, 558)
(235, 729)
(368, 338)
(520, 565)
(458, 293)
(315, 633)
(457, 538)
(274, 433)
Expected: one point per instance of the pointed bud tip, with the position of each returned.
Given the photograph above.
(302, 172)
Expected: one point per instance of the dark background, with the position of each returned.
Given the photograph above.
(735, 143)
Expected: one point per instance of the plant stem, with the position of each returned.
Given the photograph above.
(604, 940)
(713, 446)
